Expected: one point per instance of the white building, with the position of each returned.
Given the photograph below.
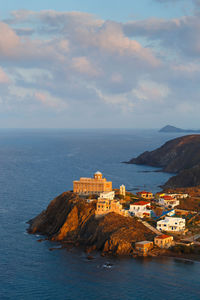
(180, 196)
(122, 190)
(171, 224)
(168, 201)
(107, 195)
(140, 209)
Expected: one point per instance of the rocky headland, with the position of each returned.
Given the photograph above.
(171, 129)
(69, 219)
(181, 156)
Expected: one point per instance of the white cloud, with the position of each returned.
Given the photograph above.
(50, 101)
(152, 91)
(75, 62)
(4, 79)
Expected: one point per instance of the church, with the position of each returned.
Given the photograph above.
(95, 185)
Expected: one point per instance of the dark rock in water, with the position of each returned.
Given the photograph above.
(180, 155)
(108, 265)
(69, 218)
(90, 257)
(170, 128)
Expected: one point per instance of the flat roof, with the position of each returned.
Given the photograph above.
(143, 242)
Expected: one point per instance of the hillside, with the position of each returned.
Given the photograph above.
(70, 219)
(180, 155)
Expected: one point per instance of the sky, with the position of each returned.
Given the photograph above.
(99, 64)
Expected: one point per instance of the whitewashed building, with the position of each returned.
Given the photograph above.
(107, 195)
(171, 224)
(180, 196)
(168, 201)
(140, 209)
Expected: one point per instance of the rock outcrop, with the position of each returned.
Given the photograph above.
(171, 129)
(180, 155)
(70, 219)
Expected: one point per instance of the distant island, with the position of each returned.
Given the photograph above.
(170, 128)
(181, 156)
(96, 217)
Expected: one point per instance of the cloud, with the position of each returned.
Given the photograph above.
(47, 100)
(149, 90)
(76, 64)
(4, 79)
(84, 66)
(9, 40)
(180, 35)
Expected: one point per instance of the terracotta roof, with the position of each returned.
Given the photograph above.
(163, 236)
(144, 192)
(141, 203)
(168, 198)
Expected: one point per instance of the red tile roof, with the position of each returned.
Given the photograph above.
(168, 198)
(163, 236)
(141, 203)
(144, 192)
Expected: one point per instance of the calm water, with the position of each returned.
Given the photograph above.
(36, 166)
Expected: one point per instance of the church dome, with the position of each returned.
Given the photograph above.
(98, 173)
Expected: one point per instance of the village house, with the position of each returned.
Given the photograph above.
(143, 247)
(105, 206)
(159, 195)
(164, 241)
(171, 224)
(180, 196)
(168, 201)
(140, 209)
(145, 195)
(89, 186)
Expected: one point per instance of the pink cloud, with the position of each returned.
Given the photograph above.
(53, 102)
(83, 65)
(8, 40)
(4, 77)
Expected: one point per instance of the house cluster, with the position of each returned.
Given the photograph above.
(163, 241)
(142, 208)
(106, 201)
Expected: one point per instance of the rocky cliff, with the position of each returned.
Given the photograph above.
(180, 155)
(70, 219)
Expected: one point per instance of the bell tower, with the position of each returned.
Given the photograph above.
(98, 175)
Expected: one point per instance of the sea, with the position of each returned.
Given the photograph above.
(36, 165)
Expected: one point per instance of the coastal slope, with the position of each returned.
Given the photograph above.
(70, 219)
(180, 155)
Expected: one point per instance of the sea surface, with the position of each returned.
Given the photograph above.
(38, 165)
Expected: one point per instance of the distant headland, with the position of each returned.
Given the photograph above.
(170, 128)
(180, 155)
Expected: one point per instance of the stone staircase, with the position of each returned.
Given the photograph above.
(151, 227)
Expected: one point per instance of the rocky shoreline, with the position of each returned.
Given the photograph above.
(70, 220)
(180, 156)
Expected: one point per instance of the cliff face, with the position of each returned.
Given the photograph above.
(70, 219)
(180, 155)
